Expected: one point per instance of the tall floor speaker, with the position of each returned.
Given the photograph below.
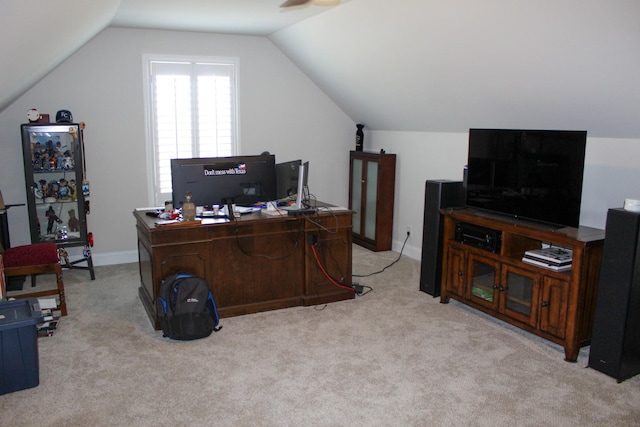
(615, 342)
(439, 194)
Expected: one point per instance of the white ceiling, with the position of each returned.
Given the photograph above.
(250, 17)
(407, 65)
(38, 36)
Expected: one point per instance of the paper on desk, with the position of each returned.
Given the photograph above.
(332, 208)
(167, 221)
(206, 221)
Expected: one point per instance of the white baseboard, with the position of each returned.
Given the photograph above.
(123, 257)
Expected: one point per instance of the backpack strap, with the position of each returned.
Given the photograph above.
(214, 311)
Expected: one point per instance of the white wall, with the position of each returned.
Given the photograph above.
(281, 111)
(611, 175)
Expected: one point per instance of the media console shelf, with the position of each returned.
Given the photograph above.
(555, 305)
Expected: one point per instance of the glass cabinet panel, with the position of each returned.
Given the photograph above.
(356, 193)
(520, 294)
(483, 280)
(372, 187)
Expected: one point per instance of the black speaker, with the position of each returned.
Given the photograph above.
(439, 194)
(615, 342)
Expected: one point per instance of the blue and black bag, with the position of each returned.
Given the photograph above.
(186, 308)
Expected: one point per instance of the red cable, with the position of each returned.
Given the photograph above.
(315, 254)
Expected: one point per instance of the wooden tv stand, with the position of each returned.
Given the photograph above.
(558, 306)
(255, 263)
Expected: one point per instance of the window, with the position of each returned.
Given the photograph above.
(191, 110)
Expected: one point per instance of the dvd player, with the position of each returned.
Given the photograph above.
(480, 237)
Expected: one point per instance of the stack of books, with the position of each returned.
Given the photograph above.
(554, 258)
(50, 323)
(50, 317)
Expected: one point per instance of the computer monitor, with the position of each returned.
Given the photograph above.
(287, 178)
(245, 180)
(302, 193)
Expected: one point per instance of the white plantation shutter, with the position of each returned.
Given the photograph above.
(193, 114)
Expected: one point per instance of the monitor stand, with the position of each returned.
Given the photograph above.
(299, 208)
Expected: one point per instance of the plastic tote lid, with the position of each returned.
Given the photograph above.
(19, 313)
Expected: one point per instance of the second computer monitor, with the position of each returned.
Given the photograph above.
(302, 195)
(287, 178)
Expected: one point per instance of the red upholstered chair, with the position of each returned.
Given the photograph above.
(38, 258)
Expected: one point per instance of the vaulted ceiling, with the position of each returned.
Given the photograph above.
(407, 65)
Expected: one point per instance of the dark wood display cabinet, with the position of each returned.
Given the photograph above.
(555, 305)
(371, 192)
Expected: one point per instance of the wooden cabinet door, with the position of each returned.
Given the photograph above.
(520, 294)
(553, 306)
(483, 276)
(454, 272)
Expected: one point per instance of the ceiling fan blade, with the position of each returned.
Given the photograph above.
(290, 3)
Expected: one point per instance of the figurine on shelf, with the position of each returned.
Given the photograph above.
(63, 189)
(46, 163)
(59, 160)
(53, 218)
(67, 161)
(64, 255)
(37, 161)
(74, 224)
(54, 186)
(43, 188)
(72, 189)
(37, 193)
(48, 147)
(37, 148)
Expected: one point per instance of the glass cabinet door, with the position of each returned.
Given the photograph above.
(483, 281)
(372, 201)
(356, 193)
(520, 295)
(364, 197)
(53, 173)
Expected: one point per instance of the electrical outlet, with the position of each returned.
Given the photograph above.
(408, 230)
(312, 239)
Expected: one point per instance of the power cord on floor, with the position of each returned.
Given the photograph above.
(394, 262)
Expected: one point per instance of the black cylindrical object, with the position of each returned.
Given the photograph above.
(359, 137)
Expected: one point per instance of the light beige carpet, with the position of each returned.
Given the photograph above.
(395, 357)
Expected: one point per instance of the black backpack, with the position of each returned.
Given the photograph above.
(186, 308)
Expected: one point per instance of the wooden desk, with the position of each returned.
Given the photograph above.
(256, 263)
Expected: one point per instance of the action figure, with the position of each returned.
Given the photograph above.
(73, 222)
(53, 218)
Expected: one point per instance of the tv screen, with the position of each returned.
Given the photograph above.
(529, 174)
(212, 180)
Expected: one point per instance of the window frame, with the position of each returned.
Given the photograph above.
(155, 197)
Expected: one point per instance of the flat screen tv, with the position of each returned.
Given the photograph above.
(530, 174)
(245, 180)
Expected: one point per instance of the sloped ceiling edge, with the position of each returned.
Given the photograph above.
(39, 36)
(422, 65)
